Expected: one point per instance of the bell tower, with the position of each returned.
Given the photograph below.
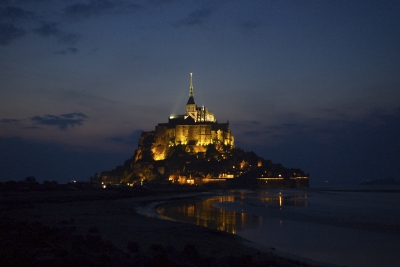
(191, 108)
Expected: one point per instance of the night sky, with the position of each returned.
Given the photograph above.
(309, 84)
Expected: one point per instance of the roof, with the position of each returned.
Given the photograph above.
(191, 100)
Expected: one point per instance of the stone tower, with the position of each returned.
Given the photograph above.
(191, 108)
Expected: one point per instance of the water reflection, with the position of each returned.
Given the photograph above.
(292, 200)
(202, 212)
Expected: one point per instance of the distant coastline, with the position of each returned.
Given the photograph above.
(389, 181)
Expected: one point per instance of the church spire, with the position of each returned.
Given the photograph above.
(191, 86)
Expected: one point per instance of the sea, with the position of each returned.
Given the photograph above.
(336, 226)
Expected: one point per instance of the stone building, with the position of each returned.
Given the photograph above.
(194, 148)
(195, 129)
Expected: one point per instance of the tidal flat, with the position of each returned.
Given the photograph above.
(101, 227)
(346, 226)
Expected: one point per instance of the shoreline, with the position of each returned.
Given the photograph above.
(145, 211)
(114, 219)
(344, 229)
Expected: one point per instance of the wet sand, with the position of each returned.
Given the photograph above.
(111, 215)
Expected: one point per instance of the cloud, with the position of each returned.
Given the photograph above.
(94, 8)
(51, 161)
(13, 13)
(69, 38)
(251, 24)
(327, 131)
(72, 115)
(252, 133)
(8, 33)
(23, 1)
(161, 2)
(69, 50)
(10, 121)
(132, 139)
(47, 29)
(31, 127)
(62, 121)
(195, 18)
(99, 7)
(290, 127)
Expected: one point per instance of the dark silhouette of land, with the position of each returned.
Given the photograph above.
(246, 169)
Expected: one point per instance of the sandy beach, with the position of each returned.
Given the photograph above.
(110, 216)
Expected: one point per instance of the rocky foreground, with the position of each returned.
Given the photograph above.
(102, 229)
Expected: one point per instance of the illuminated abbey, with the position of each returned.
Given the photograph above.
(195, 129)
(194, 148)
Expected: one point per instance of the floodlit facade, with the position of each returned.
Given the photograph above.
(195, 129)
(195, 149)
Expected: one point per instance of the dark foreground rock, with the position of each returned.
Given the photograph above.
(32, 244)
(81, 229)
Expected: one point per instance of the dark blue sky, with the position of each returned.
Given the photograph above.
(309, 84)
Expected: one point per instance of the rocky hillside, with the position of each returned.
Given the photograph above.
(218, 161)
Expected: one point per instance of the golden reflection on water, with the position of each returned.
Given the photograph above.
(202, 212)
(296, 200)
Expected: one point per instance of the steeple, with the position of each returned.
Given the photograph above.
(191, 86)
(191, 99)
(191, 108)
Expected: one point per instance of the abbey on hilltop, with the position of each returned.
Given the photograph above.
(195, 129)
(194, 148)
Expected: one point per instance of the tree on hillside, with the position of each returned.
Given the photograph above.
(212, 152)
(176, 157)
